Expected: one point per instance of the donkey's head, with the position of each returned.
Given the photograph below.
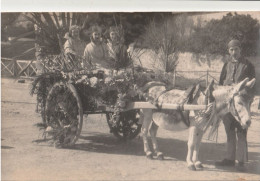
(235, 99)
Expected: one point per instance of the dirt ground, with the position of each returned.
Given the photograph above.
(98, 155)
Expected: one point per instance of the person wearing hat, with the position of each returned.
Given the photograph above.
(236, 69)
(117, 51)
(74, 46)
(96, 52)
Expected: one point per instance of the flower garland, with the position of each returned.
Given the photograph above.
(94, 89)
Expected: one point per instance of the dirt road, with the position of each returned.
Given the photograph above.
(98, 155)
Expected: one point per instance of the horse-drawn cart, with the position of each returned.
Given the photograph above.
(66, 97)
(70, 95)
(66, 92)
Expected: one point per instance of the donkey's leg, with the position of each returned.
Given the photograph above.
(146, 115)
(153, 132)
(191, 146)
(195, 157)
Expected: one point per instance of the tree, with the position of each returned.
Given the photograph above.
(165, 35)
(7, 19)
(214, 36)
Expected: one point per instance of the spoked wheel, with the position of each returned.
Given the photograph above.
(64, 114)
(127, 127)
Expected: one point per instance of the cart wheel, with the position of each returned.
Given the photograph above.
(127, 127)
(64, 114)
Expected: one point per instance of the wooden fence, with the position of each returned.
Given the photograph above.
(13, 68)
(186, 78)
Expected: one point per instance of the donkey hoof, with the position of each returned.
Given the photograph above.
(160, 156)
(192, 167)
(149, 155)
(199, 165)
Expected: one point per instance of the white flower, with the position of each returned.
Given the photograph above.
(108, 80)
(49, 129)
(93, 81)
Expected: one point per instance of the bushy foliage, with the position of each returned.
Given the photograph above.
(215, 35)
(166, 36)
(7, 19)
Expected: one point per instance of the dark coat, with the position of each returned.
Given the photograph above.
(234, 72)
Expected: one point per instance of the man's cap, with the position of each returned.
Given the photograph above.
(234, 43)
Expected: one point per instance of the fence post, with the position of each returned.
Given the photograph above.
(28, 72)
(174, 77)
(15, 67)
(207, 78)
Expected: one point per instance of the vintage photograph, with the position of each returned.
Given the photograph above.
(130, 95)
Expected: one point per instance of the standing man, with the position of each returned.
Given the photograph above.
(236, 69)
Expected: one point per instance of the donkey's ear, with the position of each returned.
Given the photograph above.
(241, 85)
(211, 89)
(250, 84)
(209, 93)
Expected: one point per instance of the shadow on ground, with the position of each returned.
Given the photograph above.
(6, 147)
(173, 149)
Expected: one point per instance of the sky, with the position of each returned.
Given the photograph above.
(125, 5)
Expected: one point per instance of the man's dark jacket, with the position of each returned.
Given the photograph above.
(234, 72)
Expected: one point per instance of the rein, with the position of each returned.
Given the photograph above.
(232, 106)
(188, 99)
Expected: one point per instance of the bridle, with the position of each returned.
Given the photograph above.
(232, 106)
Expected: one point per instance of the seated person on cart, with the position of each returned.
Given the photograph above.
(96, 52)
(74, 46)
(117, 51)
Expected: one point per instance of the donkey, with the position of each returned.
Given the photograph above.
(235, 99)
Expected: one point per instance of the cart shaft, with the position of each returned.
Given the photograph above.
(147, 105)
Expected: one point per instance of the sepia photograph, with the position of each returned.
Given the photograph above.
(130, 95)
